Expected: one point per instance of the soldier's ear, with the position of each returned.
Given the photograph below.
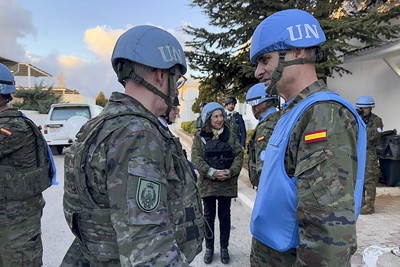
(161, 76)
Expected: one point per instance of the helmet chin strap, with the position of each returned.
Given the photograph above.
(277, 75)
(127, 71)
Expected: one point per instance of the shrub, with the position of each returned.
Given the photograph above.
(37, 98)
(188, 126)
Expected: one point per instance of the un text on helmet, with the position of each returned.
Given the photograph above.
(301, 28)
(168, 55)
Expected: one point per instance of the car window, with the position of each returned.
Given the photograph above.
(64, 113)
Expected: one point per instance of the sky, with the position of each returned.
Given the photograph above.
(73, 39)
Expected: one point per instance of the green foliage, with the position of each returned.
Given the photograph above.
(221, 54)
(207, 94)
(188, 126)
(39, 98)
(101, 100)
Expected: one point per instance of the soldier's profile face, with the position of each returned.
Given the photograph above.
(366, 111)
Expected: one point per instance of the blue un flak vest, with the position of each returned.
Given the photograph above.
(273, 220)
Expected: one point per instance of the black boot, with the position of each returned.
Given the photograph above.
(224, 256)
(208, 256)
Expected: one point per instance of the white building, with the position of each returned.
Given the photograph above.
(375, 72)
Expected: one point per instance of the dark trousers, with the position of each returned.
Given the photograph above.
(224, 217)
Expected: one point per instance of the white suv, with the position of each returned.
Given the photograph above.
(64, 121)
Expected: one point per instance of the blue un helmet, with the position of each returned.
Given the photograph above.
(365, 102)
(209, 109)
(153, 47)
(257, 95)
(7, 83)
(287, 29)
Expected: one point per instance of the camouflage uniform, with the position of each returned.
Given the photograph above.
(325, 187)
(372, 172)
(236, 126)
(24, 174)
(257, 143)
(128, 206)
(198, 123)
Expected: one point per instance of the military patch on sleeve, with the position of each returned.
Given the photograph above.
(260, 138)
(148, 195)
(4, 130)
(315, 136)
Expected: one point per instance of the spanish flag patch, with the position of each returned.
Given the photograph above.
(260, 138)
(4, 130)
(315, 136)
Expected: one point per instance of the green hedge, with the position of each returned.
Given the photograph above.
(188, 126)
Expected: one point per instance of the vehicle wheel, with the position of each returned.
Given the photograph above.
(60, 149)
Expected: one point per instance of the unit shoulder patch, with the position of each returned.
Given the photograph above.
(315, 136)
(148, 195)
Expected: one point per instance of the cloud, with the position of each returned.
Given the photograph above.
(71, 62)
(91, 77)
(15, 22)
(101, 40)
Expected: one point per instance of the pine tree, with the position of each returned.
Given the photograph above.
(222, 55)
(37, 98)
(101, 100)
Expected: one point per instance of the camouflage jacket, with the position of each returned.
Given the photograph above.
(210, 187)
(326, 173)
(18, 152)
(257, 143)
(374, 131)
(198, 123)
(132, 190)
(237, 126)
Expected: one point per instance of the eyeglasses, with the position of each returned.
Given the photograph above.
(180, 82)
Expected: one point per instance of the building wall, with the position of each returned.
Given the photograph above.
(187, 97)
(376, 79)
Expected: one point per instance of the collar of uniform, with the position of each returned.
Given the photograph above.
(10, 110)
(127, 100)
(311, 89)
(163, 122)
(266, 113)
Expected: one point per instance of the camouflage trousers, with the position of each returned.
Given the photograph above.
(262, 255)
(76, 258)
(21, 243)
(371, 177)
